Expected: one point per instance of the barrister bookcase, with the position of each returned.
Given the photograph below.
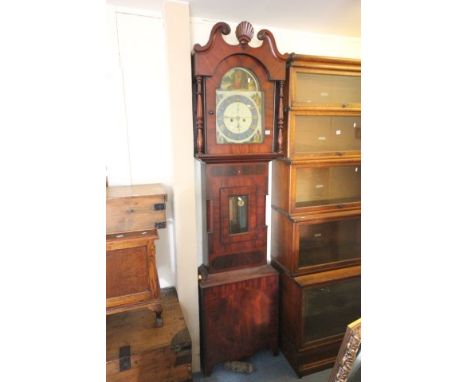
(316, 210)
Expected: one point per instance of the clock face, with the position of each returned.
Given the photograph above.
(239, 109)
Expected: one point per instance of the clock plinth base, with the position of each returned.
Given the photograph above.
(238, 315)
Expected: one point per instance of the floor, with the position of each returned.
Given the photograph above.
(267, 368)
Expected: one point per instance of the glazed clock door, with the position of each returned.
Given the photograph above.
(238, 120)
(238, 214)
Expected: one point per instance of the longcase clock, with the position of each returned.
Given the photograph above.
(238, 129)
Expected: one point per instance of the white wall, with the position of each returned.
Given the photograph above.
(150, 130)
(137, 149)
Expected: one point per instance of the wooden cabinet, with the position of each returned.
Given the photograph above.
(316, 210)
(133, 213)
(131, 278)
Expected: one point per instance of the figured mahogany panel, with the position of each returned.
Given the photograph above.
(239, 315)
(222, 181)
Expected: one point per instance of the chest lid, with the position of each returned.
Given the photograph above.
(135, 208)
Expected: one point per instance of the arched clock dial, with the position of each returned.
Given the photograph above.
(239, 107)
(238, 120)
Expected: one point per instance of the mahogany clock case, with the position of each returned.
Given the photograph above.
(238, 291)
(227, 250)
(210, 63)
(238, 314)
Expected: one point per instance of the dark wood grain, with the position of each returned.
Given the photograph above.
(245, 249)
(238, 291)
(239, 315)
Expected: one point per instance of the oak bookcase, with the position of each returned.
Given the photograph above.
(316, 210)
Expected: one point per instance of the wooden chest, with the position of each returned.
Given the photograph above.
(238, 314)
(137, 351)
(131, 278)
(135, 208)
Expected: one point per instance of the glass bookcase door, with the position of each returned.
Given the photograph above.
(328, 90)
(318, 186)
(329, 308)
(319, 134)
(329, 242)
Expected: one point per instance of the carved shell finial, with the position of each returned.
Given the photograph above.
(244, 32)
